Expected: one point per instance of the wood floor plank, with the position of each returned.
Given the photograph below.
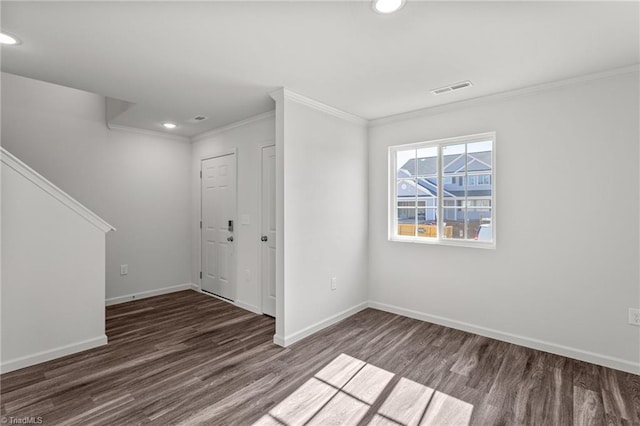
(617, 405)
(186, 358)
(587, 407)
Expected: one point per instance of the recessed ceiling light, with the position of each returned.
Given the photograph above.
(7, 39)
(387, 6)
(169, 125)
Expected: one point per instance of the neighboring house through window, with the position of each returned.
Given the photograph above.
(460, 211)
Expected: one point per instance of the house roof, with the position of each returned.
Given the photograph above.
(476, 162)
(427, 186)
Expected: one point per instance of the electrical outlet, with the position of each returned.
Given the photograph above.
(634, 316)
(334, 283)
(124, 269)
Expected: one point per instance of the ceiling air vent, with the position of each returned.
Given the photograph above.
(197, 119)
(451, 88)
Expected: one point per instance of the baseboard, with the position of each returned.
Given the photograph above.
(579, 354)
(40, 357)
(313, 328)
(249, 307)
(151, 293)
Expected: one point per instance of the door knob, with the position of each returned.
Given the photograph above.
(230, 239)
(264, 238)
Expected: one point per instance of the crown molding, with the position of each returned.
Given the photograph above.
(36, 178)
(278, 94)
(147, 132)
(226, 128)
(285, 93)
(438, 109)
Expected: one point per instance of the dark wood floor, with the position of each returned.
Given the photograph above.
(186, 358)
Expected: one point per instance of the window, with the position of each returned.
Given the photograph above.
(460, 210)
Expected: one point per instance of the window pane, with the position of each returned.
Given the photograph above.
(453, 198)
(406, 191)
(431, 217)
(407, 222)
(479, 156)
(406, 163)
(454, 221)
(427, 223)
(427, 190)
(451, 202)
(481, 179)
(453, 159)
(454, 189)
(479, 224)
(459, 209)
(427, 161)
(479, 191)
(428, 203)
(478, 203)
(406, 215)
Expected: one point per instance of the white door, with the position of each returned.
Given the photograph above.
(218, 222)
(268, 236)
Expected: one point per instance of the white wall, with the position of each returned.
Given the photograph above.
(324, 210)
(565, 270)
(139, 183)
(561, 279)
(247, 139)
(53, 275)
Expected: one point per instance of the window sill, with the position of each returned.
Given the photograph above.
(434, 241)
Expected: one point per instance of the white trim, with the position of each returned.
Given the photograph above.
(150, 293)
(226, 128)
(278, 340)
(39, 357)
(234, 152)
(314, 328)
(444, 242)
(392, 221)
(438, 109)
(10, 160)
(579, 354)
(148, 132)
(270, 143)
(284, 93)
(277, 95)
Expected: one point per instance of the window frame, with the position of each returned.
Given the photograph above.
(392, 229)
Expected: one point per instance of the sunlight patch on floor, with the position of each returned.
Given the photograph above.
(344, 391)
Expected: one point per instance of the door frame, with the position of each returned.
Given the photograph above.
(267, 144)
(234, 266)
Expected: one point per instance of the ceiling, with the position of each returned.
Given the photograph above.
(175, 60)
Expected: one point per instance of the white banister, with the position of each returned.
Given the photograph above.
(10, 160)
